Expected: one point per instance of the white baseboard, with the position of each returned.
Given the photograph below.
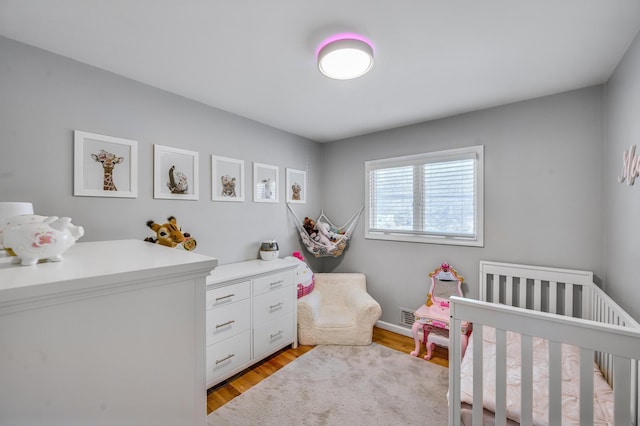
(404, 331)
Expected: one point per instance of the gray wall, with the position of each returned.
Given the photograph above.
(543, 193)
(551, 194)
(44, 97)
(622, 202)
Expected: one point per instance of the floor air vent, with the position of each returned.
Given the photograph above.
(406, 317)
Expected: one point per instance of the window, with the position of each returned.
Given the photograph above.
(429, 198)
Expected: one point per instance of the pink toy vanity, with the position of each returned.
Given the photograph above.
(431, 324)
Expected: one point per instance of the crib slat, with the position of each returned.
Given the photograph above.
(501, 377)
(537, 294)
(523, 292)
(455, 359)
(509, 291)
(526, 372)
(553, 297)
(495, 293)
(555, 382)
(635, 395)
(568, 299)
(586, 386)
(478, 377)
(622, 380)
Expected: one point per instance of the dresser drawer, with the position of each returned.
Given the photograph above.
(228, 355)
(228, 294)
(272, 282)
(226, 321)
(273, 304)
(272, 335)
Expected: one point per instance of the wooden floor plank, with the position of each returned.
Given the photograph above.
(236, 385)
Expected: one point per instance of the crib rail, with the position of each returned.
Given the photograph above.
(621, 343)
(554, 290)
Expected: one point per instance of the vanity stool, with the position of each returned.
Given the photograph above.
(431, 325)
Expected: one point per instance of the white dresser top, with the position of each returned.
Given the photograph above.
(249, 268)
(92, 265)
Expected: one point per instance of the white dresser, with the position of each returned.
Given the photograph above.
(251, 313)
(112, 335)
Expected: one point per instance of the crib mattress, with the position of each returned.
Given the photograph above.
(603, 394)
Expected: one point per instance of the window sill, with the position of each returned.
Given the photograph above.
(422, 239)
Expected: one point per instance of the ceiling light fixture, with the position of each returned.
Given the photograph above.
(345, 56)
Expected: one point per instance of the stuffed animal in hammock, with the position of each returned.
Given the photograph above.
(170, 235)
(319, 232)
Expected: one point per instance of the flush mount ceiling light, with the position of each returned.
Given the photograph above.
(345, 56)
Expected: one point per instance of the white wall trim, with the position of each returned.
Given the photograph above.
(394, 328)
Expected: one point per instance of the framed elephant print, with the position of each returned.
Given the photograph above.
(175, 173)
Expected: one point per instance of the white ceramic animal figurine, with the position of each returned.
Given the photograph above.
(48, 239)
(18, 220)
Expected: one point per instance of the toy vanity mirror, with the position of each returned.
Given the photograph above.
(445, 282)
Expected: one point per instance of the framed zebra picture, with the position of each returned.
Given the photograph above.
(175, 173)
(265, 183)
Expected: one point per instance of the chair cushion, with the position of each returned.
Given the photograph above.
(335, 316)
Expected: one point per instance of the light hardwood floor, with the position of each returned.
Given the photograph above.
(236, 385)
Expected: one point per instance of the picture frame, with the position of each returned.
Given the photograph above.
(265, 183)
(227, 179)
(104, 166)
(296, 186)
(175, 173)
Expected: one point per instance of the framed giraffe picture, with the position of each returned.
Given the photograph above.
(104, 166)
(175, 173)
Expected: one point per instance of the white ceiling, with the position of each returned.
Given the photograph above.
(433, 58)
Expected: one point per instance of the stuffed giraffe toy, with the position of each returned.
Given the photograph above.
(108, 161)
(170, 235)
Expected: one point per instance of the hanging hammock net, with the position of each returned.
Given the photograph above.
(326, 239)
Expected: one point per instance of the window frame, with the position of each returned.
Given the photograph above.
(476, 151)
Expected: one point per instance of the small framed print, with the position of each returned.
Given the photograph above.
(104, 166)
(175, 173)
(296, 186)
(265, 183)
(227, 179)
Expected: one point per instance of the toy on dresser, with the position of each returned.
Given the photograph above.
(431, 324)
(170, 234)
(31, 238)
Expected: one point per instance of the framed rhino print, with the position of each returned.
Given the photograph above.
(227, 179)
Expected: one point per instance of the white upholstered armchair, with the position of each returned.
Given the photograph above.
(339, 311)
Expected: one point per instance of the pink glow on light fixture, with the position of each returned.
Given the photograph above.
(345, 56)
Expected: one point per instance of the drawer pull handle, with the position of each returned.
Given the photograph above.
(277, 305)
(226, 323)
(276, 283)
(224, 297)
(276, 334)
(218, 361)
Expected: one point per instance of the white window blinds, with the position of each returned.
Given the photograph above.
(433, 197)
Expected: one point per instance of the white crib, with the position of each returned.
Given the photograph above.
(564, 307)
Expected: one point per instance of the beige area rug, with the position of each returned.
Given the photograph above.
(344, 385)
